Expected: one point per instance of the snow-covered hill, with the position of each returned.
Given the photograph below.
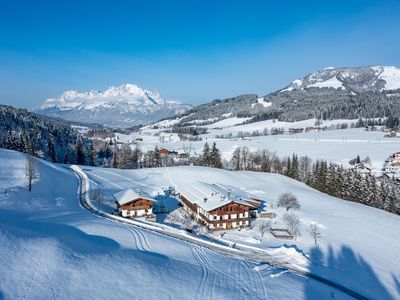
(125, 105)
(361, 79)
(51, 248)
(358, 248)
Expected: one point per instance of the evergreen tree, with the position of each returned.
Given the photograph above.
(205, 157)
(215, 157)
(157, 157)
(80, 154)
(114, 161)
(51, 148)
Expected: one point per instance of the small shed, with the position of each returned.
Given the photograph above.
(281, 233)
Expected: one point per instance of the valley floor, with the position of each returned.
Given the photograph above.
(338, 146)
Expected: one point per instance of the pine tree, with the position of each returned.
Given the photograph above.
(51, 148)
(215, 157)
(80, 154)
(205, 157)
(114, 160)
(157, 157)
(21, 143)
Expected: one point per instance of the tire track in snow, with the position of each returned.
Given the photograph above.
(204, 274)
(145, 241)
(248, 287)
(245, 287)
(257, 279)
(135, 238)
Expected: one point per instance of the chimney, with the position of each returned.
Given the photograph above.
(229, 193)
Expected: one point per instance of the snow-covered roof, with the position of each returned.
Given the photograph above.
(212, 196)
(128, 195)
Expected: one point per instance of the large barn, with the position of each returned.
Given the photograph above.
(218, 207)
(134, 204)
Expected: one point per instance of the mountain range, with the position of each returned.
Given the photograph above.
(361, 79)
(121, 106)
(331, 93)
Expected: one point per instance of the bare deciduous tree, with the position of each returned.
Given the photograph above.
(31, 170)
(315, 232)
(293, 224)
(288, 200)
(264, 227)
(97, 197)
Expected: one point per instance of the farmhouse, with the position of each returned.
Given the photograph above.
(218, 207)
(133, 204)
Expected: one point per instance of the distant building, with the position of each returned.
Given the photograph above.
(217, 207)
(163, 152)
(133, 204)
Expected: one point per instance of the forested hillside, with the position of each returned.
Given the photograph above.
(331, 93)
(41, 136)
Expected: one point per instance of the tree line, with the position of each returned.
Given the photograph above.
(332, 179)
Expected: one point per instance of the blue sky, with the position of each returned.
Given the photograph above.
(192, 51)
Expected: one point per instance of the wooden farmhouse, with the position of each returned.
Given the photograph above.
(133, 204)
(216, 207)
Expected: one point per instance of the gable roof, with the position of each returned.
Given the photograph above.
(129, 195)
(212, 196)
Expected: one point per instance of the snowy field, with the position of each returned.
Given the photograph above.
(359, 244)
(51, 248)
(337, 146)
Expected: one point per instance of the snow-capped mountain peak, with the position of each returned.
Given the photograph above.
(374, 78)
(131, 94)
(123, 105)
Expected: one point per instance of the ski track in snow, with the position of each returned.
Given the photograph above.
(108, 181)
(210, 271)
(126, 178)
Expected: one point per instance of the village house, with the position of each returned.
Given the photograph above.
(392, 164)
(163, 152)
(217, 207)
(133, 204)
